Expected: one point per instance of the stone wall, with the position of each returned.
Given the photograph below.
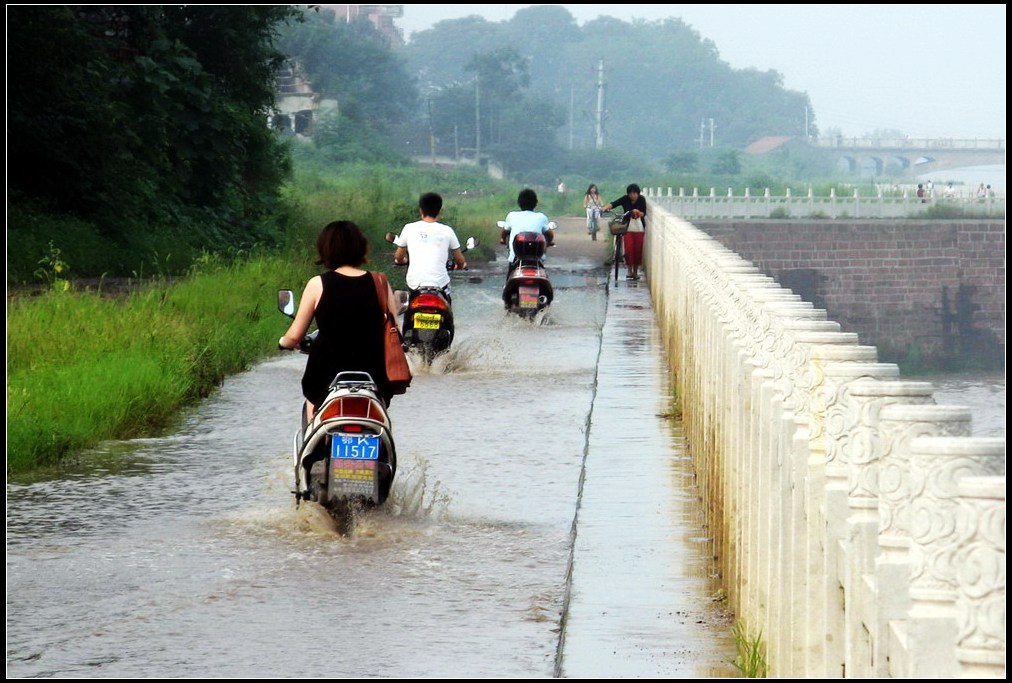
(921, 291)
(858, 527)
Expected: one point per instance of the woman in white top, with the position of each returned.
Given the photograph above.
(592, 203)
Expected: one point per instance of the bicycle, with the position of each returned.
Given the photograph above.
(617, 226)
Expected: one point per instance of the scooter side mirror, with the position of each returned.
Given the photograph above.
(471, 242)
(501, 224)
(552, 225)
(286, 302)
(390, 237)
(402, 297)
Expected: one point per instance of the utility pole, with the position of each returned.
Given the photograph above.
(570, 118)
(599, 126)
(477, 121)
(711, 132)
(702, 132)
(432, 136)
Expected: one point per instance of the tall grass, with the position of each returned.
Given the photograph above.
(83, 367)
(751, 658)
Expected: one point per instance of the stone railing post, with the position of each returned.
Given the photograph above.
(864, 449)
(980, 578)
(901, 424)
(841, 418)
(940, 533)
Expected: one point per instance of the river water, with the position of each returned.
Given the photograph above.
(184, 555)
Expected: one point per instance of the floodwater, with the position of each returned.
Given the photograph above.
(543, 522)
(184, 556)
(984, 394)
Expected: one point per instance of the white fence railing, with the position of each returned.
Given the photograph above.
(747, 206)
(986, 144)
(859, 527)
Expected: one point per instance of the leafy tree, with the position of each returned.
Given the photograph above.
(351, 62)
(133, 116)
(437, 57)
(661, 78)
(682, 162)
(727, 162)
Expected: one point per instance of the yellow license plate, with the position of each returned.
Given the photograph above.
(427, 321)
(529, 297)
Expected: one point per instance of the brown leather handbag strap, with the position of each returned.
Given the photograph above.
(380, 280)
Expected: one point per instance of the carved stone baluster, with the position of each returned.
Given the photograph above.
(980, 578)
(841, 418)
(899, 426)
(938, 534)
(865, 656)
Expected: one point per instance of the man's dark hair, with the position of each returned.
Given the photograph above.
(527, 199)
(633, 187)
(431, 204)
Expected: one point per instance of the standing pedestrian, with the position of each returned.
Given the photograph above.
(635, 206)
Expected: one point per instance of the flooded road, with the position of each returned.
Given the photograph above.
(184, 556)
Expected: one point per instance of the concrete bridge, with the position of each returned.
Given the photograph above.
(911, 156)
(858, 525)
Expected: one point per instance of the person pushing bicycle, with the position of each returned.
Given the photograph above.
(635, 207)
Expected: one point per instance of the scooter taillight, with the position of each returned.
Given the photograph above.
(353, 406)
(529, 272)
(428, 301)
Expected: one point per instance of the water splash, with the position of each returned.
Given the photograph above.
(413, 495)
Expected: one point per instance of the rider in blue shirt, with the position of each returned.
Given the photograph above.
(525, 220)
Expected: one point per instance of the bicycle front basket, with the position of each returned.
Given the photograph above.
(617, 227)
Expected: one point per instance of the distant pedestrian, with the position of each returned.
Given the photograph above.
(921, 193)
(593, 204)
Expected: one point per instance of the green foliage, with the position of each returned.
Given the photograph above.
(83, 367)
(941, 210)
(54, 270)
(682, 162)
(351, 62)
(745, 104)
(751, 658)
(726, 162)
(129, 118)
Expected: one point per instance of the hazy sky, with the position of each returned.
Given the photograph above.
(927, 70)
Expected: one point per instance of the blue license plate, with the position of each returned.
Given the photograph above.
(348, 447)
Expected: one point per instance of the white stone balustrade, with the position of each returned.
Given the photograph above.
(850, 513)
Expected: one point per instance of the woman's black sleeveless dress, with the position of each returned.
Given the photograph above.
(350, 321)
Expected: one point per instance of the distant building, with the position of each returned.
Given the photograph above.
(767, 144)
(381, 16)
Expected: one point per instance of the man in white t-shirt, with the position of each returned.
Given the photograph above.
(426, 245)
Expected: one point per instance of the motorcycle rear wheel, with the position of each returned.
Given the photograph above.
(343, 511)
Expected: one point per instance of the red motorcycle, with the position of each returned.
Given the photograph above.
(428, 319)
(527, 290)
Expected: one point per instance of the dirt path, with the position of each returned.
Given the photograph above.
(572, 240)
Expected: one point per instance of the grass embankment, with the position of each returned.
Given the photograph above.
(84, 367)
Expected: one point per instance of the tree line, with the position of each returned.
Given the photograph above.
(138, 135)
